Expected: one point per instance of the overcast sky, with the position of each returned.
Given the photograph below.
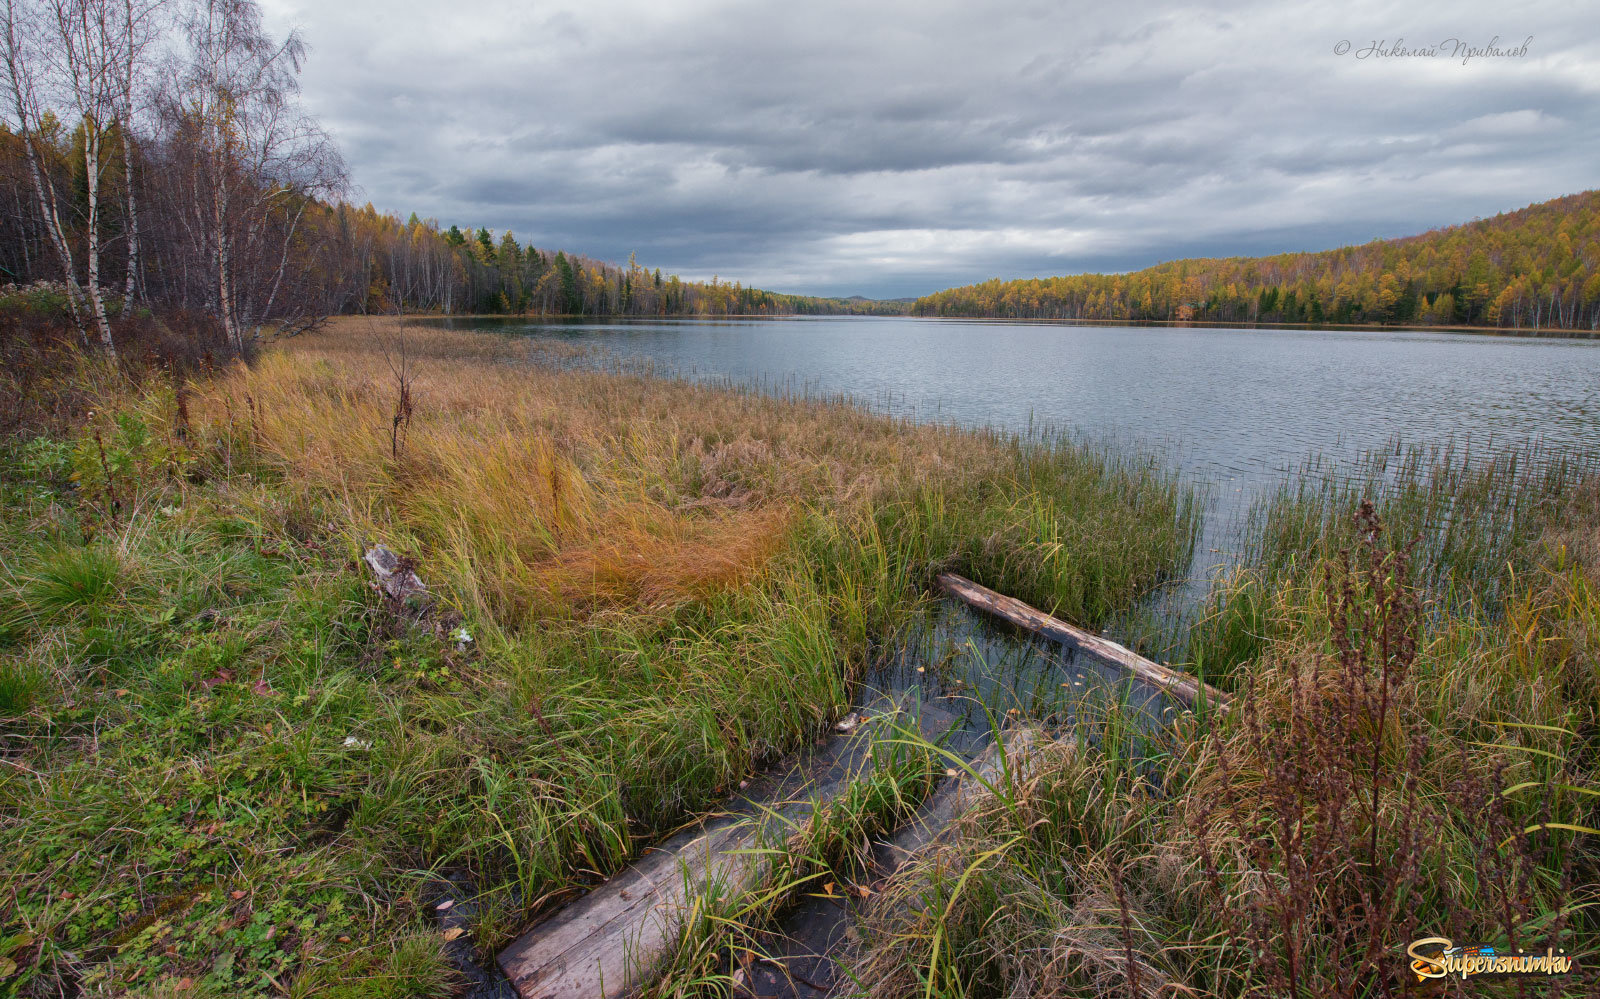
(893, 149)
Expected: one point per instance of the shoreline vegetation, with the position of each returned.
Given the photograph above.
(530, 317)
(232, 768)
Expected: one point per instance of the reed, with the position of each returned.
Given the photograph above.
(230, 763)
(1413, 755)
(1477, 517)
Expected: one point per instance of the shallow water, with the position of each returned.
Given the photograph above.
(987, 672)
(1235, 410)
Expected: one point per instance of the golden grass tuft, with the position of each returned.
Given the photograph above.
(540, 493)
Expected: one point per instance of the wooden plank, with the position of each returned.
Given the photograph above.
(956, 795)
(609, 942)
(1186, 688)
(804, 961)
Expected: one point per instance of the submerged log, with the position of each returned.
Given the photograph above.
(1008, 759)
(610, 942)
(1186, 688)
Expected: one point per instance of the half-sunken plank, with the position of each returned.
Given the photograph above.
(1186, 688)
(804, 960)
(609, 942)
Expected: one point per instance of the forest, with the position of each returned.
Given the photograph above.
(1531, 269)
(155, 154)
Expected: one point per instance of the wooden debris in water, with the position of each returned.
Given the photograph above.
(609, 942)
(1186, 688)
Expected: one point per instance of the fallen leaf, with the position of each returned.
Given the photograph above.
(184, 984)
(863, 890)
(453, 932)
(950, 771)
(236, 895)
(8, 967)
(121, 691)
(446, 904)
(272, 931)
(342, 938)
(827, 889)
(264, 689)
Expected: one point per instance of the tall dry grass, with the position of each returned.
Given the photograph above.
(543, 490)
(1403, 763)
(666, 586)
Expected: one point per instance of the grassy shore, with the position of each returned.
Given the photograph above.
(230, 767)
(1416, 753)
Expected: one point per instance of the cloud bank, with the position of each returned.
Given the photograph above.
(907, 147)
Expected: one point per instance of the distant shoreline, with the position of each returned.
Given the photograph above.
(1544, 333)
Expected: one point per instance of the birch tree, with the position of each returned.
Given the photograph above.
(138, 27)
(85, 44)
(78, 61)
(253, 163)
(26, 50)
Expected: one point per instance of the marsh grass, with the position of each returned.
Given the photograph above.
(1477, 516)
(229, 766)
(1414, 755)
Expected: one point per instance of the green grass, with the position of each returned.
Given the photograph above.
(231, 769)
(1478, 518)
(1233, 855)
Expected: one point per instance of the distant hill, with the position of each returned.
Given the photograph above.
(1535, 268)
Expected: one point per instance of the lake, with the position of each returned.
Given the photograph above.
(1235, 409)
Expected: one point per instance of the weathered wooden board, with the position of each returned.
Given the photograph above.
(804, 961)
(609, 942)
(1186, 688)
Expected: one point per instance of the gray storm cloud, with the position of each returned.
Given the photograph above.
(894, 149)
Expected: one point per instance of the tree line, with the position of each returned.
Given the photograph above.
(389, 265)
(1535, 268)
(155, 155)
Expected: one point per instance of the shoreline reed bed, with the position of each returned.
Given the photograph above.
(232, 768)
(1414, 754)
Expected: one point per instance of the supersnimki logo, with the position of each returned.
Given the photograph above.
(1439, 957)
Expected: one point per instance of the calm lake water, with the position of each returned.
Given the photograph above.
(1235, 409)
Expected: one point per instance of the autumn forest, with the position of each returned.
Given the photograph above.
(215, 194)
(1531, 269)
